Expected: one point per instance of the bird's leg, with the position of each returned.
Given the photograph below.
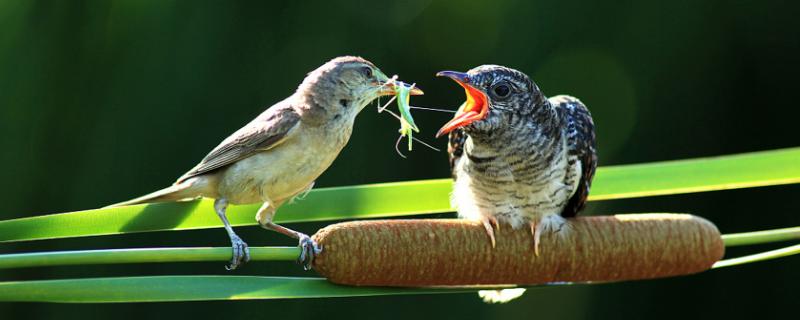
(491, 224)
(241, 253)
(308, 247)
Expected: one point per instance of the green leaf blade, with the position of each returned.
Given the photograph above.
(190, 288)
(756, 169)
(364, 201)
(141, 255)
(762, 256)
(412, 198)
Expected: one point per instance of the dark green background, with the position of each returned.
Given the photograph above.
(101, 101)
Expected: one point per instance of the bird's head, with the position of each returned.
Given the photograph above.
(349, 83)
(493, 93)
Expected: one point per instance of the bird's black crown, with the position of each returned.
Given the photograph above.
(507, 89)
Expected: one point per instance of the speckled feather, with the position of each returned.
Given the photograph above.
(529, 144)
(530, 161)
(581, 145)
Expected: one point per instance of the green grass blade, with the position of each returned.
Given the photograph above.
(353, 202)
(755, 169)
(759, 237)
(141, 255)
(190, 288)
(413, 197)
(768, 255)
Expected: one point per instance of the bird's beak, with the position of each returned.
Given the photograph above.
(386, 88)
(475, 108)
(390, 90)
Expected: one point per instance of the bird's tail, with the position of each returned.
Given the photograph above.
(176, 192)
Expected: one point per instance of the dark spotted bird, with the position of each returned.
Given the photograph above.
(281, 152)
(517, 157)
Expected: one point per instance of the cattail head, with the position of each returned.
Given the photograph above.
(457, 252)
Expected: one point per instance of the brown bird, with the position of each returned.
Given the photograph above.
(281, 152)
(518, 158)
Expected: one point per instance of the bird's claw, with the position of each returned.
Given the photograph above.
(536, 232)
(241, 253)
(309, 249)
(491, 224)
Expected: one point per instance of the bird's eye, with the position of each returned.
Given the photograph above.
(367, 72)
(501, 90)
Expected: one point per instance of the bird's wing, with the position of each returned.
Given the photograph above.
(263, 133)
(581, 146)
(455, 148)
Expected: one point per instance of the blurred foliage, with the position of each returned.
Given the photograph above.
(101, 101)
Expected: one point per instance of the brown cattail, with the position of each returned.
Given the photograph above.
(458, 252)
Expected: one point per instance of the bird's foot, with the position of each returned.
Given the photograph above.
(309, 249)
(241, 253)
(491, 224)
(555, 224)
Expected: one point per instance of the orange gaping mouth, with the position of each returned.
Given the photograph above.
(475, 108)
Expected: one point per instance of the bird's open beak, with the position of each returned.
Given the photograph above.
(475, 108)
